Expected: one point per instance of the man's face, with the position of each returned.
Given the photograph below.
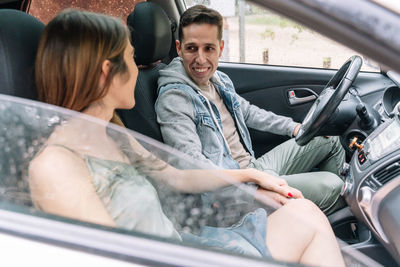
(200, 50)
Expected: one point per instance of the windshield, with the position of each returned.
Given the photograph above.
(131, 186)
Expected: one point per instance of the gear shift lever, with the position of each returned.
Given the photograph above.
(366, 120)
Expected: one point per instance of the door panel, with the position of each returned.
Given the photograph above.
(267, 87)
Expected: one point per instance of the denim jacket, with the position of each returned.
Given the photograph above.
(191, 123)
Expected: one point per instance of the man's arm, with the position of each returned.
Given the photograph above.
(267, 121)
(175, 115)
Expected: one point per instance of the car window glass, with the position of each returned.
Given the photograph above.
(33, 127)
(128, 188)
(253, 34)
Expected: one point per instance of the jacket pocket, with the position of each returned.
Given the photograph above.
(208, 121)
(210, 138)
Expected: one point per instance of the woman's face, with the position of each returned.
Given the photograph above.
(123, 88)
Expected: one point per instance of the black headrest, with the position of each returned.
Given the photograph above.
(19, 39)
(151, 33)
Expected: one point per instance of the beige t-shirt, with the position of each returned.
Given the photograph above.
(238, 152)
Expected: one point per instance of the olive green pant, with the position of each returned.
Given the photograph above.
(294, 163)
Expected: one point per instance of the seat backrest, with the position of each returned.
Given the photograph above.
(19, 39)
(151, 36)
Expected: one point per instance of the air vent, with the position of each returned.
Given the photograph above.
(386, 174)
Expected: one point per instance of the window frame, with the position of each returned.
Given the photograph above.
(110, 242)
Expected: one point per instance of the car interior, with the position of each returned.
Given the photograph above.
(151, 30)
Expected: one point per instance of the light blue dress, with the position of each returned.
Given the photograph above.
(133, 203)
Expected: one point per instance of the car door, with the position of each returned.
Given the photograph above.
(287, 91)
(53, 238)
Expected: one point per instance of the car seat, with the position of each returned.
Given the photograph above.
(19, 39)
(151, 32)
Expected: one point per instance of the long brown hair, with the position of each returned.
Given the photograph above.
(71, 51)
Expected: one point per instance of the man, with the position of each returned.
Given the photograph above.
(200, 114)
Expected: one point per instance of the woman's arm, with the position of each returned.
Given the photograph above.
(60, 183)
(197, 181)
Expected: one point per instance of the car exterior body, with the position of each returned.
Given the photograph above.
(371, 223)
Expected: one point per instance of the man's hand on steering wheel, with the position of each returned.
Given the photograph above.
(328, 101)
(296, 130)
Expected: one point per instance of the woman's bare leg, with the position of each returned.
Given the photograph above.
(300, 232)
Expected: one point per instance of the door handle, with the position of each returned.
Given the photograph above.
(307, 95)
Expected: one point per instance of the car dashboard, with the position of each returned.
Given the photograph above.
(390, 103)
(372, 186)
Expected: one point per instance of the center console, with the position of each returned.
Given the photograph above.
(374, 174)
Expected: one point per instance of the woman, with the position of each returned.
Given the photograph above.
(85, 63)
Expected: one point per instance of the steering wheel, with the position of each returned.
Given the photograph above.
(328, 101)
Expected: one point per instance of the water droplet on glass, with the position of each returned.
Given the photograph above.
(194, 211)
(53, 120)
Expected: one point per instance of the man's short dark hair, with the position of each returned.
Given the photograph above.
(200, 14)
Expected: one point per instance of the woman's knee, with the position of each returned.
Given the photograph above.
(306, 210)
(303, 206)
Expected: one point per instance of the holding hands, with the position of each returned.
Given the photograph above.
(275, 188)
